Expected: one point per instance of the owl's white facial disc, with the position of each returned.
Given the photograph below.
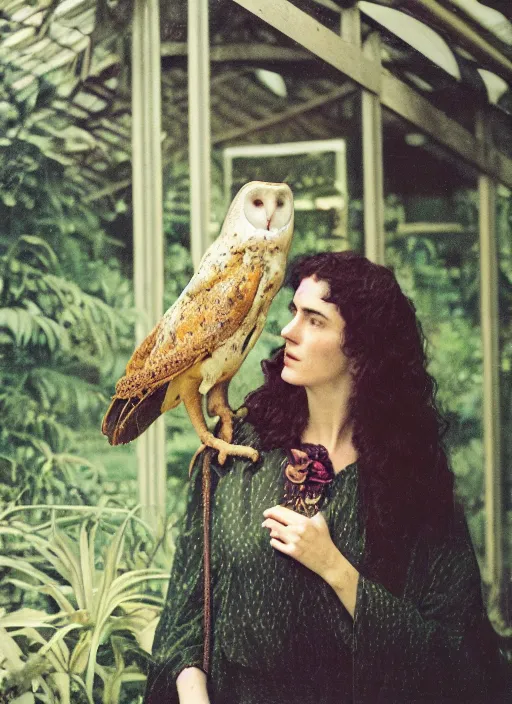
(269, 207)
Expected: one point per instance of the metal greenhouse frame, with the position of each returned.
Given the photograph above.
(380, 89)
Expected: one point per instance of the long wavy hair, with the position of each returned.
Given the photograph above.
(405, 484)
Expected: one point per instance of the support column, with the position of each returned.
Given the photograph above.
(351, 25)
(489, 319)
(350, 30)
(199, 127)
(494, 480)
(373, 163)
(148, 236)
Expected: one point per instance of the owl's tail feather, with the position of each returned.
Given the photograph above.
(126, 419)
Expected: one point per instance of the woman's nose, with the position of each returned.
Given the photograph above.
(289, 331)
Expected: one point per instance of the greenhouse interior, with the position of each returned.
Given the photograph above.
(126, 129)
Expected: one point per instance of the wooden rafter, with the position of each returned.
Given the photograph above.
(46, 58)
(283, 116)
(238, 52)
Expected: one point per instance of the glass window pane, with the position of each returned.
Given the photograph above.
(415, 33)
(181, 438)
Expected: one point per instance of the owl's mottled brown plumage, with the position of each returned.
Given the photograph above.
(204, 337)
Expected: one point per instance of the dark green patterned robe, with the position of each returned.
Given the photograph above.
(280, 633)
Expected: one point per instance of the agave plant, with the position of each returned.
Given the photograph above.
(99, 611)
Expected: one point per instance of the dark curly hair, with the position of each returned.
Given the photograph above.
(405, 483)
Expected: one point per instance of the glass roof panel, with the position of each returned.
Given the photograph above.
(414, 33)
(496, 86)
(50, 52)
(494, 21)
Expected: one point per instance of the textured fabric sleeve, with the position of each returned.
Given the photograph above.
(438, 646)
(178, 639)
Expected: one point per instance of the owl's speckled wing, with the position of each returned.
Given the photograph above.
(203, 339)
(194, 327)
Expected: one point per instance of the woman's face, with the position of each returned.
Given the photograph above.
(313, 356)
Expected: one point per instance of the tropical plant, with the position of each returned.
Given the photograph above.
(47, 326)
(94, 616)
(66, 317)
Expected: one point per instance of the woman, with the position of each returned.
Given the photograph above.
(374, 598)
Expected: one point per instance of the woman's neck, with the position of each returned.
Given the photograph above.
(329, 424)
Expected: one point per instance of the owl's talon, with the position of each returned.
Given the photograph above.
(226, 449)
(226, 429)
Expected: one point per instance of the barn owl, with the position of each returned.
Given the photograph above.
(202, 340)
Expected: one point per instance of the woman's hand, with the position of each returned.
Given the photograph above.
(309, 542)
(191, 685)
(305, 539)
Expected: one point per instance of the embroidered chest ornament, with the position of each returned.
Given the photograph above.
(307, 475)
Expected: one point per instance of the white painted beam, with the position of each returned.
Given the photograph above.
(394, 94)
(148, 237)
(495, 543)
(373, 179)
(199, 127)
(317, 38)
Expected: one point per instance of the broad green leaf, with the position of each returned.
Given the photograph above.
(10, 652)
(50, 586)
(69, 555)
(53, 655)
(58, 645)
(25, 698)
(80, 654)
(28, 617)
(87, 562)
(62, 683)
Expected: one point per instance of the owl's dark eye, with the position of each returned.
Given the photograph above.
(258, 203)
(280, 203)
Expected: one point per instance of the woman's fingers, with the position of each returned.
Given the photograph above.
(286, 533)
(284, 515)
(285, 548)
(270, 523)
(276, 529)
(306, 540)
(284, 525)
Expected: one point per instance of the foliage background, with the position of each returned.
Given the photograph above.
(82, 578)
(66, 332)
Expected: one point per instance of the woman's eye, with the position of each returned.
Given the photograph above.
(315, 322)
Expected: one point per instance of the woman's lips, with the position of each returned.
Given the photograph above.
(287, 355)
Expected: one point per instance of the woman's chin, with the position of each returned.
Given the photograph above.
(290, 377)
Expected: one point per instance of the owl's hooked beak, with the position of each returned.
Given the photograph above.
(269, 218)
(270, 212)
